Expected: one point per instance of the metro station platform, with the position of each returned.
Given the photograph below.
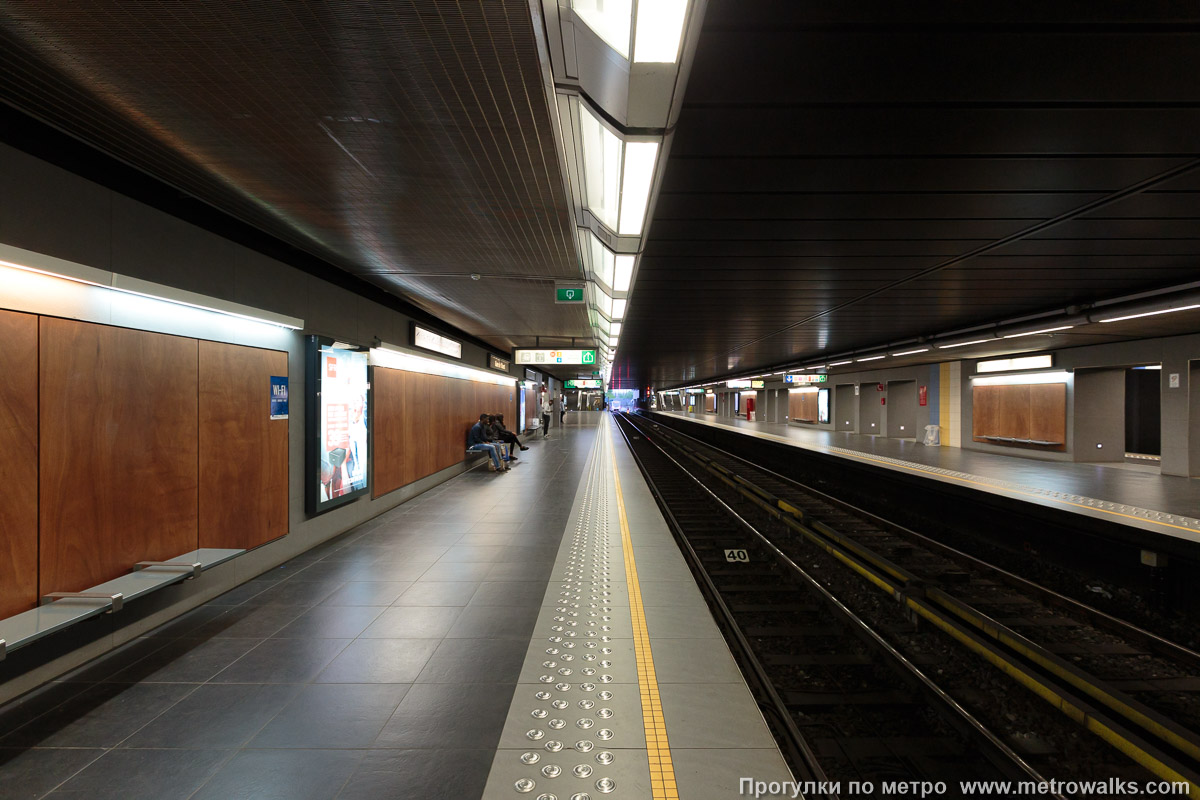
(535, 633)
(1126, 494)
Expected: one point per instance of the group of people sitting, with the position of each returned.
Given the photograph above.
(490, 436)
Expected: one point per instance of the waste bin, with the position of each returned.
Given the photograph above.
(933, 436)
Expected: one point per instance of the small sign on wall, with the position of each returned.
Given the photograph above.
(883, 401)
(279, 397)
(1173, 380)
(923, 394)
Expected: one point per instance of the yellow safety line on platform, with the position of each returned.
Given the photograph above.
(658, 749)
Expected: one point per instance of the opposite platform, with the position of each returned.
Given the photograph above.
(1131, 495)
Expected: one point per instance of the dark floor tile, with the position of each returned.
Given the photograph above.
(187, 623)
(186, 661)
(283, 661)
(380, 661)
(495, 622)
(33, 704)
(100, 716)
(438, 593)
(215, 716)
(539, 571)
(509, 593)
(240, 594)
(402, 570)
(473, 554)
(475, 661)
(412, 551)
(366, 593)
(455, 571)
(107, 665)
(520, 554)
(297, 592)
(332, 715)
(246, 622)
(490, 525)
(344, 570)
(483, 539)
(281, 775)
(34, 772)
(144, 775)
(419, 774)
(330, 622)
(411, 622)
(434, 716)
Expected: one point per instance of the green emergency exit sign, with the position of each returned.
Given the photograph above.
(568, 294)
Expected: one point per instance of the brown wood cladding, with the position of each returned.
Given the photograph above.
(243, 453)
(118, 461)
(1020, 411)
(802, 406)
(18, 467)
(710, 404)
(421, 422)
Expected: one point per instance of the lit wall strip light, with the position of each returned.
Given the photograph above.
(910, 352)
(1043, 330)
(391, 358)
(29, 261)
(963, 344)
(1151, 313)
(839, 363)
(1031, 377)
(871, 358)
(1006, 364)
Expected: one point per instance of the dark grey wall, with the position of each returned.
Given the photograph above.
(902, 410)
(1099, 416)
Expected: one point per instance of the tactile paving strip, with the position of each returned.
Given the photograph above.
(575, 729)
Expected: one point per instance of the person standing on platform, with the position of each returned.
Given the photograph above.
(562, 408)
(547, 410)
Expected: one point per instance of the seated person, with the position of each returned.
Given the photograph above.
(493, 436)
(477, 440)
(505, 435)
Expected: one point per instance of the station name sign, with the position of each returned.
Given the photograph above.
(531, 356)
(497, 363)
(431, 340)
(805, 378)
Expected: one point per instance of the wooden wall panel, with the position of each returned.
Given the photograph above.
(19, 462)
(1020, 411)
(243, 452)
(118, 461)
(802, 406)
(710, 404)
(421, 423)
(1048, 413)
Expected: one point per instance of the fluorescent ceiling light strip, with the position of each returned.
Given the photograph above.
(623, 274)
(618, 308)
(636, 178)
(1031, 377)
(1151, 313)
(963, 344)
(872, 358)
(658, 31)
(839, 363)
(910, 352)
(114, 282)
(390, 358)
(1043, 330)
(804, 390)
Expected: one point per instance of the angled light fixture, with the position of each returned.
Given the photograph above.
(871, 358)
(963, 344)
(659, 29)
(911, 352)
(1035, 333)
(1151, 313)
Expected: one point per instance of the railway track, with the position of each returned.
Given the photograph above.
(1135, 691)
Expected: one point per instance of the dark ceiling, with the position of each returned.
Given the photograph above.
(847, 175)
(409, 143)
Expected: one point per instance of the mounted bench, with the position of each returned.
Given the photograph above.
(59, 610)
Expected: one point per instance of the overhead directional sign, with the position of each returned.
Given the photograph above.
(568, 294)
(805, 378)
(532, 356)
(583, 383)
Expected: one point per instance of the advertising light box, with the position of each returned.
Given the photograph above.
(532, 356)
(738, 383)
(336, 412)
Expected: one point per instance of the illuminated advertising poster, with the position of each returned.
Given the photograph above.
(339, 436)
(823, 406)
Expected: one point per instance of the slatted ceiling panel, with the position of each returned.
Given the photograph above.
(409, 136)
(856, 145)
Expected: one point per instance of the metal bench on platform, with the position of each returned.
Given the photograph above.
(59, 610)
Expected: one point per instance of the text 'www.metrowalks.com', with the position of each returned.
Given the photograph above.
(1110, 787)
